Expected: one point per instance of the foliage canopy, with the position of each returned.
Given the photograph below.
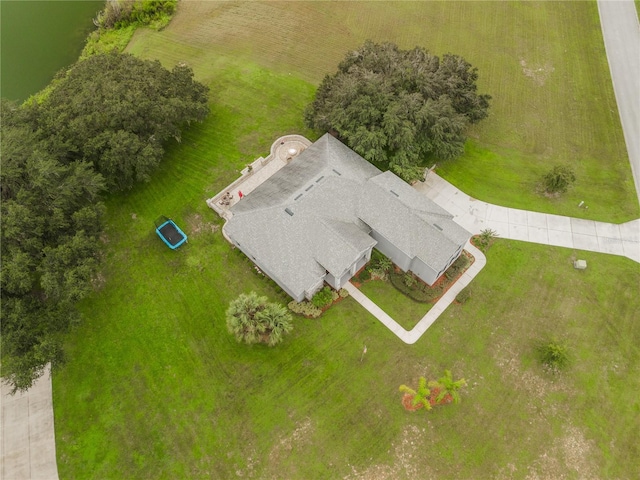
(251, 319)
(101, 126)
(398, 107)
(51, 222)
(115, 111)
(559, 179)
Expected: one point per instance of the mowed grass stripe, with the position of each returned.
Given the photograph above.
(155, 387)
(543, 62)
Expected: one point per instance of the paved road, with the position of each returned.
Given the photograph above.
(621, 32)
(28, 447)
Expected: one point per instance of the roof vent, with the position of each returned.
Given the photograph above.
(437, 226)
(308, 188)
(320, 179)
(299, 195)
(336, 171)
(288, 211)
(395, 193)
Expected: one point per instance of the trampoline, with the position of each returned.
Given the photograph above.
(170, 233)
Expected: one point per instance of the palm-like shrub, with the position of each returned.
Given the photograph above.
(420, 396)
(446, 387)
(251, 319)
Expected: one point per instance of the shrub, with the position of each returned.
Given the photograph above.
(459, 266)
(344, 293)
(553, 355)
(558, 179)
(484, 240)
(464, 295)
(409, 280)
(364, 275)
(305, 308)
(323, 298)
(419, 293)
(251, 319)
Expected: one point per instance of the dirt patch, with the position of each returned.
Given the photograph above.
(285, 445)
(571, 451)
(539, 74)
(536, 386)
(197, 225)
(406, 451)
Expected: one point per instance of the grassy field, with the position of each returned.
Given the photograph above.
(397, 305)
(156, 388)
(543, 62)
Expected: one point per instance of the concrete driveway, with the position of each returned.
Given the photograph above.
(621, 32)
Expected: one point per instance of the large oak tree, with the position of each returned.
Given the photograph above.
(51, 221)
(399, 107)
(117, 111)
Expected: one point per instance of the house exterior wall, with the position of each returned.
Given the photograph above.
(331, 280)
(422, 270)
(338, 283)
(428, 274)
(396, 255)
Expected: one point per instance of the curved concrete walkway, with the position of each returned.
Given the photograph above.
(475, 216)
(512, 223)
(621, 34)
(412, 336)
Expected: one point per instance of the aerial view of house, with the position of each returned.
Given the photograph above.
(350, 240)
(317, 219)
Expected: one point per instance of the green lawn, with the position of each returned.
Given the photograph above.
(154, 386)
(544, 64)
(397, 305)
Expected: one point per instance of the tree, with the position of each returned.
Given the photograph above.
(558, 179)
(446, 388)
(116, 112)
(420, 396)
(51, 218)
(251, 319)
(399, 107)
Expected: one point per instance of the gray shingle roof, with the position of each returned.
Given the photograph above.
(308, 217)
(411, 221)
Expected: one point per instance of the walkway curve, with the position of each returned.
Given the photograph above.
(547, 229)
(475, 216)
(621, 34)
(413, 335)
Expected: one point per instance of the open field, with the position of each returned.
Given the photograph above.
(543, 62)
(155, 387)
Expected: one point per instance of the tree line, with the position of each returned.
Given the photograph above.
(101, 128)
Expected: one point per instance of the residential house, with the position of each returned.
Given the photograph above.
(318, 218)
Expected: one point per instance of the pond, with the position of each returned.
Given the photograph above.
(38, 39)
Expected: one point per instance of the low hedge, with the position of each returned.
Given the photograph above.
(419, 292)
(305, 308)
(457, 267)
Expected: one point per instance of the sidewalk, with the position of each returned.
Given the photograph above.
(28, 445)
(474, 215)
(412, 336)
(512, 223)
